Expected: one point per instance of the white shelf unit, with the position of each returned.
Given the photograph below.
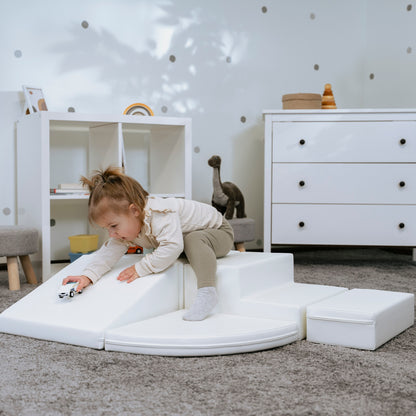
(55, 148)
(340, 177)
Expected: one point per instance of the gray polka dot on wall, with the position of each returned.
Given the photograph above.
(84, 24)
(18, 53)
(7, 211)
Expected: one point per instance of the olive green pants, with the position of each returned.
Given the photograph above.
(203, 247)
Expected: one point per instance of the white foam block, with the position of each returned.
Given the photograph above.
(218, 334)
(83, 319)
(360, 318)
(287, 302)
(243, 274)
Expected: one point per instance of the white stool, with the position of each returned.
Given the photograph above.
(360, 318)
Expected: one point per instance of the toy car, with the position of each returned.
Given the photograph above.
(134, 250)
(68, 290)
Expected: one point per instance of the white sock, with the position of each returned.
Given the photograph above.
(204, 303)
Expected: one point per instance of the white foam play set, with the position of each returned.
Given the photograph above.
(260, 307)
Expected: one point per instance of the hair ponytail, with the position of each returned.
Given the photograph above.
(119, 190)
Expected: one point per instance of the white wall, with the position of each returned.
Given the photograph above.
(234, 58)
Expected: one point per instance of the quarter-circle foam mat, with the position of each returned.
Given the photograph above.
(218, 334)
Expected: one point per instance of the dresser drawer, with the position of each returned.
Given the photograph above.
(355, 141)
(344, 183)
(388, 225)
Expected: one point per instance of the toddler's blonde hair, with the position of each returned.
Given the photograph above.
(117, 189)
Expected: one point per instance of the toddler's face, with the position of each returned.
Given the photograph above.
(121, 226)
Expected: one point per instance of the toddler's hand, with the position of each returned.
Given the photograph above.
(128, 274)
(83, 281)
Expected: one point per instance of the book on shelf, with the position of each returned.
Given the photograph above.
(69, 189)
(72, 186)
(56, 191)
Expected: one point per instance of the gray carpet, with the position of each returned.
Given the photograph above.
(45, 378)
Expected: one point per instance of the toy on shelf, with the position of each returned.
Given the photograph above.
(226, 196)
(328, 100)
(138, 109)
(82, 244)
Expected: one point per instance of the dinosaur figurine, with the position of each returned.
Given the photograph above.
(226, 196)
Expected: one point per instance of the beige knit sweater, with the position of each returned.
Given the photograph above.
(165, 223)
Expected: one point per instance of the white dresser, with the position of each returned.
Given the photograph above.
(340, 177)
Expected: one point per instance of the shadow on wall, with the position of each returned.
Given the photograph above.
(185, 61)
(166, 68)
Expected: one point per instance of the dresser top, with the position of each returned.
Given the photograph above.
(350, 114)
(344, 111)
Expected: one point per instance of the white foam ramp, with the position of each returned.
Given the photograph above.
(218, 334)
(84, 319)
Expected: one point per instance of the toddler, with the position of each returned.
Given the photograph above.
(119, 204)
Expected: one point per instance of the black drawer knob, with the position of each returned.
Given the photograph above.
(302, 142)
(402, 141)
(402, 184)
(401, 225)
(301, 224)
(301, 183)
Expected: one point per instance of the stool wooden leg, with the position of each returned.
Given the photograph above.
(28, 269)
(13, 271)
(240, 247)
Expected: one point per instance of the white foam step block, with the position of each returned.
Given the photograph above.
(218, 334)
(83, 319)
(287, 302)
(242, 274)
(360, 318)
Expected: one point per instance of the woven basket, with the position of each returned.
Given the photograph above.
(301, 101)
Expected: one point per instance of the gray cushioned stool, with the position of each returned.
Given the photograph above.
(18, 241)
(243, 231)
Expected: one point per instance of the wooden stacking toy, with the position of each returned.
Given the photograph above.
(328, 100)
